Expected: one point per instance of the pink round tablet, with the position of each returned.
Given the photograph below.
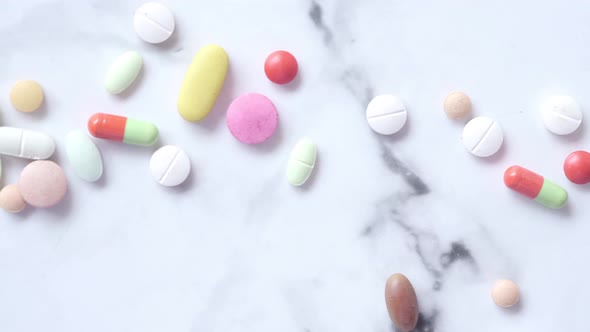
(252, 118)
(43, 183)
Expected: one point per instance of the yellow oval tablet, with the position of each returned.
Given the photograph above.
(26, 96)
(202, 83)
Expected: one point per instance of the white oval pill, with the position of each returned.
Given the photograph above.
(562, 115)
(301, 162)
(84, 156)
(24, 143)
(153, 22)
(170, 166)
(386, 114)
(483, 136)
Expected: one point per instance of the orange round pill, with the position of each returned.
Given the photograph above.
(505, 293)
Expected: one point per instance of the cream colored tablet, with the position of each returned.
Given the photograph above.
(26, 96)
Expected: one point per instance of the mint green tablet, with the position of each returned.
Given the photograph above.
(123, 72)
(83, 156)
(301, 162)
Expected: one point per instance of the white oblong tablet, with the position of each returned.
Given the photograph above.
(483, 136)
(386, 114)
(153, 22)
(24, 143)
(562, 115)
(84, 156)
(170, 166)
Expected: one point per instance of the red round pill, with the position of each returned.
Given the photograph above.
(577, 167)
(281, 67)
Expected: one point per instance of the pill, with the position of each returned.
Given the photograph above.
(281, 67)
(25, 143)
(457, 105)
(386, 114)
(401, 302)
(11, 199)
(561, 115)
(153, 22)
(252, 118)
(577, 167)
(43, 183)
(482, 136)
(123, 72)
(26, 96)
(122, 129)
(505, 293)
(83, 156)
(301, 162)
(170, 166)
(202, 83)
(535, 187)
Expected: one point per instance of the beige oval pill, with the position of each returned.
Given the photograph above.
(457, 105)
(26, 96)
(401, 302)
(505, 293)
(11, 200)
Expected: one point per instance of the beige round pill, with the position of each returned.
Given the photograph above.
(11, 199)
(26, 96)
(457, 105)
(505, 293)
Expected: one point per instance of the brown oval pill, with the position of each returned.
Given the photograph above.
(457, 105)
(505, 293)
(11, 199)
(26, 96)
(401, 302)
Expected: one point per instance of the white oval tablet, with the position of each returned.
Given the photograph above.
(84, 156)
(483, 136)
(24, 143)
(170, 166)
(386, 114)
(153, 22)
(562, 115)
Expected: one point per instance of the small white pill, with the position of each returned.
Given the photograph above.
(153, 22)
(483, 136)
(24, 143)
(386, 114)
(562, 115)
(170, 166)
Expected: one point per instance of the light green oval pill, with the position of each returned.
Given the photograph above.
(84, 156)
(552, 195)
(123, 72)
(301, 162)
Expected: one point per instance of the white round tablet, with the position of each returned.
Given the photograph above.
(562, 115)
(153, 22)
(170, 166)
(386, 114)
(483, 136)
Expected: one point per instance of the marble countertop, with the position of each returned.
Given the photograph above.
(237, 248)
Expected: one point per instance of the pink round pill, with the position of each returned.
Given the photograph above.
(43, 183)
(252, 118)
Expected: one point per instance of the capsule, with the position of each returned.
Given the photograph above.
(535, 186)
(122, 129)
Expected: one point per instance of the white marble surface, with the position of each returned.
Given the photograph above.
(238, 249)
